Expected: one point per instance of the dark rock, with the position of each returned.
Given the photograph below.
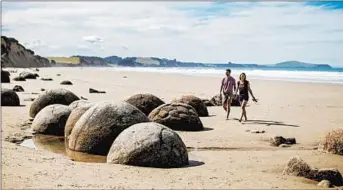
(66, 82)
(18, 88)
(51, 120)
(195, 102)
(58, 74)
(91, 90)
(46, 79)
(333, 142)
(28, 75)
(177, 116)
(83, 98)
(330, 174)
(98, 127)
(29, 99)
(42, 89)
(5, 77)
(277, 140)
(148, 144)
(9, 98)
(55, 96)
(145, 102)
(207, 102)
(19, 78)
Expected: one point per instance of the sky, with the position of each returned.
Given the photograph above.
(210, 32)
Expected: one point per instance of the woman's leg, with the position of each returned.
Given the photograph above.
(244, 113)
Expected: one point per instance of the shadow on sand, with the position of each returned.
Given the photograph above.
(193, 163)
(268, 123)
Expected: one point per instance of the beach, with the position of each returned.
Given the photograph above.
(223, 156)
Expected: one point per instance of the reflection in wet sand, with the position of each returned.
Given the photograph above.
(58, 145)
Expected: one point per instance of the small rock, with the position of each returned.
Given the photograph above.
(325, 184)
(258, 131)
(66, 82)
(18, 88)
(58, 74)
(284, 145)
(29, 99)
(42, 89)
(92, 90)
(83, 98)
(46, 79)
(277, 140)
(28, 75)
(124, 77)
(19, 78)
(9, 98)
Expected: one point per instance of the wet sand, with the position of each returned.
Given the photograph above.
(222, 156)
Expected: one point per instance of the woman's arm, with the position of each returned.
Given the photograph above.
(250, 91)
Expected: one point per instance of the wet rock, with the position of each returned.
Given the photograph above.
(5, 77)
(51, 120)
(297, 167)
(66, 82)
(9, 98)
(28, 75)
(177, 116)
(98, 127)
(325, 184)
(92, 90)
(277, 140)
(145, 102)
(49, 97)
(150, 145)
(333, 142)
(79, 103)
(18, 88)
(46, 79)
(74, 116)
(195, 102)
(19, 78)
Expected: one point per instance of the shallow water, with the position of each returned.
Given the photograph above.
(56, 145)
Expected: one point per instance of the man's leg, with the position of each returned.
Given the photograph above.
(229, 100)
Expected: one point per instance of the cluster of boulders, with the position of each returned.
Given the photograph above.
(298, 167)
(127, 132)
(217, 100)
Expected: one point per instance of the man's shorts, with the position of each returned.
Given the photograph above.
(227, 96)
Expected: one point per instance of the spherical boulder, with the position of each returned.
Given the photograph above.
(79, 103)
(66, 82)
(51, 120)
(5, 76)
(195, 102)
(145, 102)
(333, 142)
(74, 116)
(55, 96)
(18, 88)
(9, 98)
(177, 116)
(28, 75)
(148, 144)
(98, 127)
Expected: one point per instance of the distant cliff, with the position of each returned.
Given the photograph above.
(13, 54)
(79, 61)
(298, 64)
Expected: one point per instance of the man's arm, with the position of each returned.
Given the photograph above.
(221, 88)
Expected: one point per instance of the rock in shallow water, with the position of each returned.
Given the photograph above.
(148, 144)
(97, 128)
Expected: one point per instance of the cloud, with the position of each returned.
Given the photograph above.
(246, 32)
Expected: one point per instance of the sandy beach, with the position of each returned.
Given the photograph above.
(223, 156)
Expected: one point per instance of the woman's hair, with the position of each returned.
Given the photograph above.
(240, 76)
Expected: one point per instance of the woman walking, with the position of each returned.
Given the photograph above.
(243, 86)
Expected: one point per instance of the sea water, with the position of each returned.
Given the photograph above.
(334, 76)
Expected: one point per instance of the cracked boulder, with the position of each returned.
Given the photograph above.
(150, 145)
(195, 102)
(74, 116)
(177, 116)
(51, 120)
(145, 102)
(79, 103)
(49, 97)
(333, 142)
(98, 127)
(9, 97)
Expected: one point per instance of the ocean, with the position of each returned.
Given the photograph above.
(334, 76)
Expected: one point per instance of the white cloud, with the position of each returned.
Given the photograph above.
(237, 32)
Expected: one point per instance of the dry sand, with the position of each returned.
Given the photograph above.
(246, 160)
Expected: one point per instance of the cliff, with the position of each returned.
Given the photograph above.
(298, 64)
(79, 61)
(13, 54)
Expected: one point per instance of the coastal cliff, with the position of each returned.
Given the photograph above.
(13, 54)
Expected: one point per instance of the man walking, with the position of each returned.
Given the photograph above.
(228, 86)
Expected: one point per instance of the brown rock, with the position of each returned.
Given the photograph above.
(66, 82)
(195, 102)
(145, 102)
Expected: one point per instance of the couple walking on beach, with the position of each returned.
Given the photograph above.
(229, 89)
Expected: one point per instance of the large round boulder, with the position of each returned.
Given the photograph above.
(5, 76)
(177, 116)
(28, 75)
(51, 120)
(9, 98)
(97, 128)
(333, 142)
(195, 102)
(74, 116)
(145, 102)
(79, 103)
(148, 144)
(55, 96)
